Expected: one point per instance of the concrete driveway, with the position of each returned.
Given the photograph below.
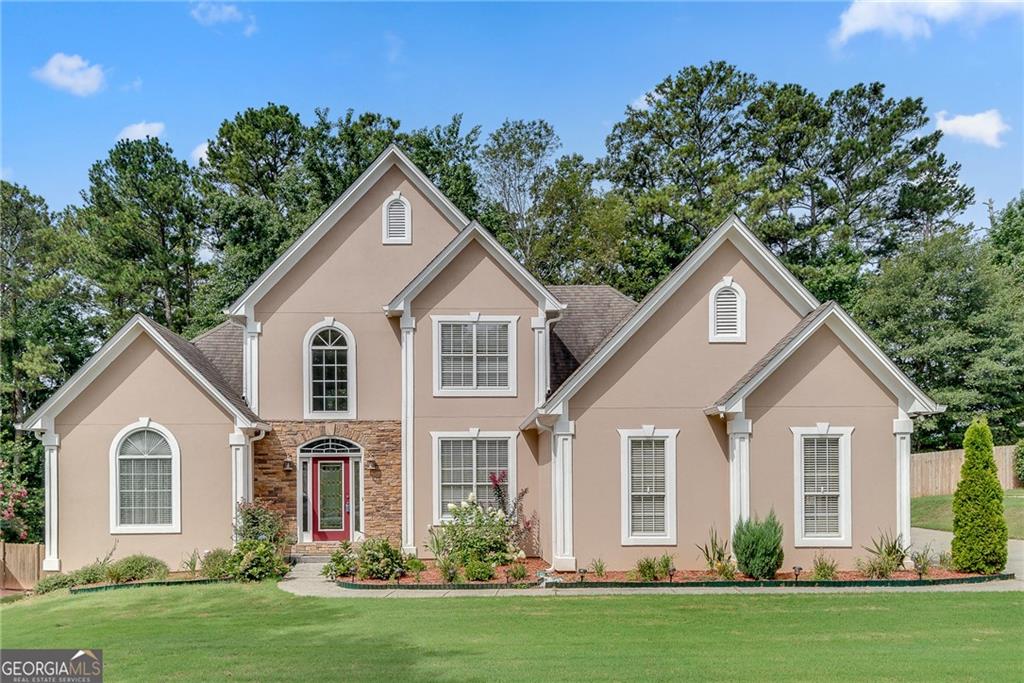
(941, 540)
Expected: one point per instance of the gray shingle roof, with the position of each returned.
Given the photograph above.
(205, 367)
(767, 358)
(593, 312)
(223, 346)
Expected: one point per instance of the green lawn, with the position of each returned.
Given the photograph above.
(257, 632)
(936, 512)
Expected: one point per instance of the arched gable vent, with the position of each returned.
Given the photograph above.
(727, 312)
(397, 220)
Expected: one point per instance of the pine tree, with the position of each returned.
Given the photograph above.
(979, 527)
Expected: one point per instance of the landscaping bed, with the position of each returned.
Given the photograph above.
(431, 578)
(169, 581)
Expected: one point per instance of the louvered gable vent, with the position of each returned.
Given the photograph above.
(397, 221)
(727, 312)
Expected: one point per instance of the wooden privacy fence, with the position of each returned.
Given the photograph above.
(21, 566)
(936, 474)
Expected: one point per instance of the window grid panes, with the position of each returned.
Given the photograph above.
(474, 355)
(647, 493)
(329, 371)
(466, 467)
(145, 480)
(821, 485)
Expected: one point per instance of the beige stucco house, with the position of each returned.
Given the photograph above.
(396, 356)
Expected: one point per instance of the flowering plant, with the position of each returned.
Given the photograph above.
(14, 501)
(477, 533)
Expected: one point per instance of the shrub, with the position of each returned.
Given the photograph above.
(979, 527)
(646, 569)
(191, 563)
(517, 572)
(715, 551)
(378, 559)
(449, 570)
(253, 560)
(475, 533)
(597, 567)
(877, 566)
(945, 560)
(825, 567)
(478, 570)
(53, 582)
(136, 568)
(259, 522)
(415, 566)
(923, 561)
(725, 569)
(891, 547)
(664, 567)
(758, 546)
(216, 563)
(342, 562)
(91, 573)
(1018, 461)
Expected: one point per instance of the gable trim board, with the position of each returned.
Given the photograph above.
(43, 418)
(391, 156)
(402, 301)
(911, 399)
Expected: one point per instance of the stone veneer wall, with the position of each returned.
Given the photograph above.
(382, 487)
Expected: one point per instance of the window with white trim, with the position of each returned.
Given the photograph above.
(648, 486)
(329, 371)
(396, 218)
(474, 355)
(144, 480)
(727, 311)
(822, 485)
(467, 465)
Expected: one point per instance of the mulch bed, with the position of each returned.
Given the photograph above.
(432, 576)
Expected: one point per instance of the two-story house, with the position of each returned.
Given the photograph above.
(395, 357)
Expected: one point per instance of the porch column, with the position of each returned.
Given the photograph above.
(251, 369)
(739, 429)
(238, 443)
(561, 485)
(408, 517)
(51, 446)
(902, 428)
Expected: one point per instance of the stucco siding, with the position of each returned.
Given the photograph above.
(142, 382)
(349, 275)
(824, 382)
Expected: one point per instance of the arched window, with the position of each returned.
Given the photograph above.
(144, 473)
(396, 220)
(727, 312)
(329, 372)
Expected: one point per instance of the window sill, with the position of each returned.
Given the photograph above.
(822, 542)
(648, 540)
(348, 415)
(478, 393)
(143, 529)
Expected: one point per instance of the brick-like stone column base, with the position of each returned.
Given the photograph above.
(381, 441)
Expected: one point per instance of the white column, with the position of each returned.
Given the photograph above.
(902, 428)
(561, 486)
(251, 369)
(238, 443)
(408, 353)
(51, 446)
(540, 359)
(739, 430)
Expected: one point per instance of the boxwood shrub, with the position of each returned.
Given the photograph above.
(758, 546)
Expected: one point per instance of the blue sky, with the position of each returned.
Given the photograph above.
(76, 76)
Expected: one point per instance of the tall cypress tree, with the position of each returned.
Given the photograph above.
(979, 527)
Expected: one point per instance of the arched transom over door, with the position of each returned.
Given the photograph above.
(330, 487)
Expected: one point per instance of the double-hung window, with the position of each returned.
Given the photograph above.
(475, 355)
(648, 486)
(471, 464)
(822, 485)
(144, 484)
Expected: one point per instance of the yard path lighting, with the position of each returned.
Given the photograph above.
(796, 572)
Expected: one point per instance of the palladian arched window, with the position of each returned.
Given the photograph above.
(329, 354)
(145, 489)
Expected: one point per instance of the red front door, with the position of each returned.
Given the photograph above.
(331, 508)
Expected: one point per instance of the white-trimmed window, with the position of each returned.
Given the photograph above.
(821, 464)
(145, 484)
(727, 312)
(464, 464)
(475, 355)
(329, 378)
(396, 220)
(648, 477)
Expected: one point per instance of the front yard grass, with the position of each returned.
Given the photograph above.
(258, 632)
(936, 512)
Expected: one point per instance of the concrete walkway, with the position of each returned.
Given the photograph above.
(305, 580)
(941, 540)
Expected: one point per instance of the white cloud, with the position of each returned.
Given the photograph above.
(909, 20)
(213, 13)
(71, 73)
(645, 101)
(395, 45)
(199, 152)
(985, 127)
(141, 130)
(134, 86)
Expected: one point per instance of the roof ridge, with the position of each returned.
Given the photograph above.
(213, 329)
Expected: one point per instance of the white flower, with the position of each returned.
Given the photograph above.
(451, 507)
(501, 514)
(472, 497)
(465, 504)
(521, 555)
